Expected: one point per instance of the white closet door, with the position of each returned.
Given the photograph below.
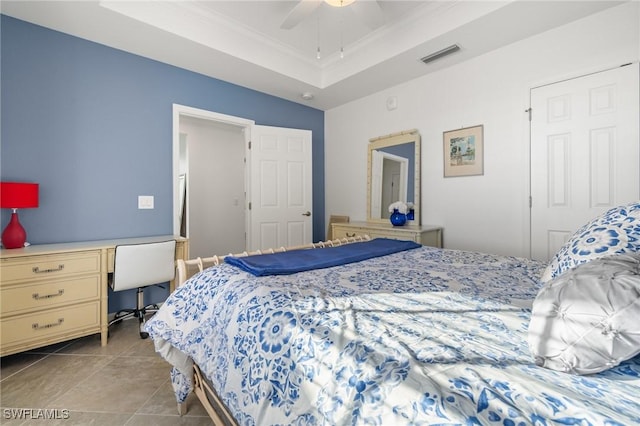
(584, 153)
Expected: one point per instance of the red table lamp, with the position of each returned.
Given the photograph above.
(16, 195)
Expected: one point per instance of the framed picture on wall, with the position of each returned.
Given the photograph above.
(464, 151)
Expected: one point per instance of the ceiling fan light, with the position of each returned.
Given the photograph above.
(339, 3)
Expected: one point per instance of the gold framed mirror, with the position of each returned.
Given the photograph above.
(393, 174)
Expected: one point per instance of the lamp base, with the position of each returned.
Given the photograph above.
(14, 234)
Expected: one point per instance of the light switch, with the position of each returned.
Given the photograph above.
(145, 201)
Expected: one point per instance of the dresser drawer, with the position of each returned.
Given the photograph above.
(52, 266)
(395, 236)
(373, 233)
(339, 232)
(32, 297)
(37, 328)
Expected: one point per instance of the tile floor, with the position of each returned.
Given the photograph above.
(123, 383)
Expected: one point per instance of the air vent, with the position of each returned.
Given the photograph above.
(440, 53)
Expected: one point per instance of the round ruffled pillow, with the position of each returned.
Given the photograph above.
(587, 320)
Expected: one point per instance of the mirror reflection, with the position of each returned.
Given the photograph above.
(393, 165)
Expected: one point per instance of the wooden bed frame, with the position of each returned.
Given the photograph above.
(187, 268)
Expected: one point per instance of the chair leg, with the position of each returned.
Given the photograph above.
(153, 308)
(122, 315)
(140, 310)
(143, 334)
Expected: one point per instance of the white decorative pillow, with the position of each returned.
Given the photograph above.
(587, 320)
(615, 231)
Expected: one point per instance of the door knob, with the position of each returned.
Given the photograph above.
(306, 214)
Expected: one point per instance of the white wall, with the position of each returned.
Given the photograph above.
(215, 184)
(487, 213)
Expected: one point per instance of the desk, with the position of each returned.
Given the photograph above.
(51, 293)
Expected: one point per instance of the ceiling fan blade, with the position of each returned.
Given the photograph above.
(369, 12)
(299, 12)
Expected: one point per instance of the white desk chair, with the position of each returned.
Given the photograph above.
(139, 266)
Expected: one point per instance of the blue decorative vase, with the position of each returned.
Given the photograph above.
(397, 218)
(411, 214)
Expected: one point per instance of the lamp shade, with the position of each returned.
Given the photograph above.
(18, 195)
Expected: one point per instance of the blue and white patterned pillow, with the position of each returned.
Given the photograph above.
(615, 231)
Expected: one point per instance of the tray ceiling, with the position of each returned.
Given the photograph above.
(244, 42)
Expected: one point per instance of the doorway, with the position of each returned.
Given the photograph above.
(214, 156)
(209, 180)
(273, 170)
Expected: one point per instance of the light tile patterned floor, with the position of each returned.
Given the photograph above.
(123, 383)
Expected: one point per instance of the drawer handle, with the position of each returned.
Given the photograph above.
(37, 270)
(351, 235)
(37, 326)
(37, 296)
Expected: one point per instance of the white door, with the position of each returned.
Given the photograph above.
(584, 153)
(280, 187)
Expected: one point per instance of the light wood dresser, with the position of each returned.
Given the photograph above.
(427, 235)
(56, 292)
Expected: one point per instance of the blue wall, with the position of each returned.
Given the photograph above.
(93, 126)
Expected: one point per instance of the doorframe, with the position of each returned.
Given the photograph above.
(187, 111)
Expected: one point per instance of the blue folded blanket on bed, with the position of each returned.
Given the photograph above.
(290, 262)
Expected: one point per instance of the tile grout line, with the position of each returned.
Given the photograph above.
(36, 352)
(46, 355)
(85, 378)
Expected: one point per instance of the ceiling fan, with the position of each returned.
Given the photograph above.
(368, 11)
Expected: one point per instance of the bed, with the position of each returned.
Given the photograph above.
(419, 336)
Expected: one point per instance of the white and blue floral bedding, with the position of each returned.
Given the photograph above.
(425, 337)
